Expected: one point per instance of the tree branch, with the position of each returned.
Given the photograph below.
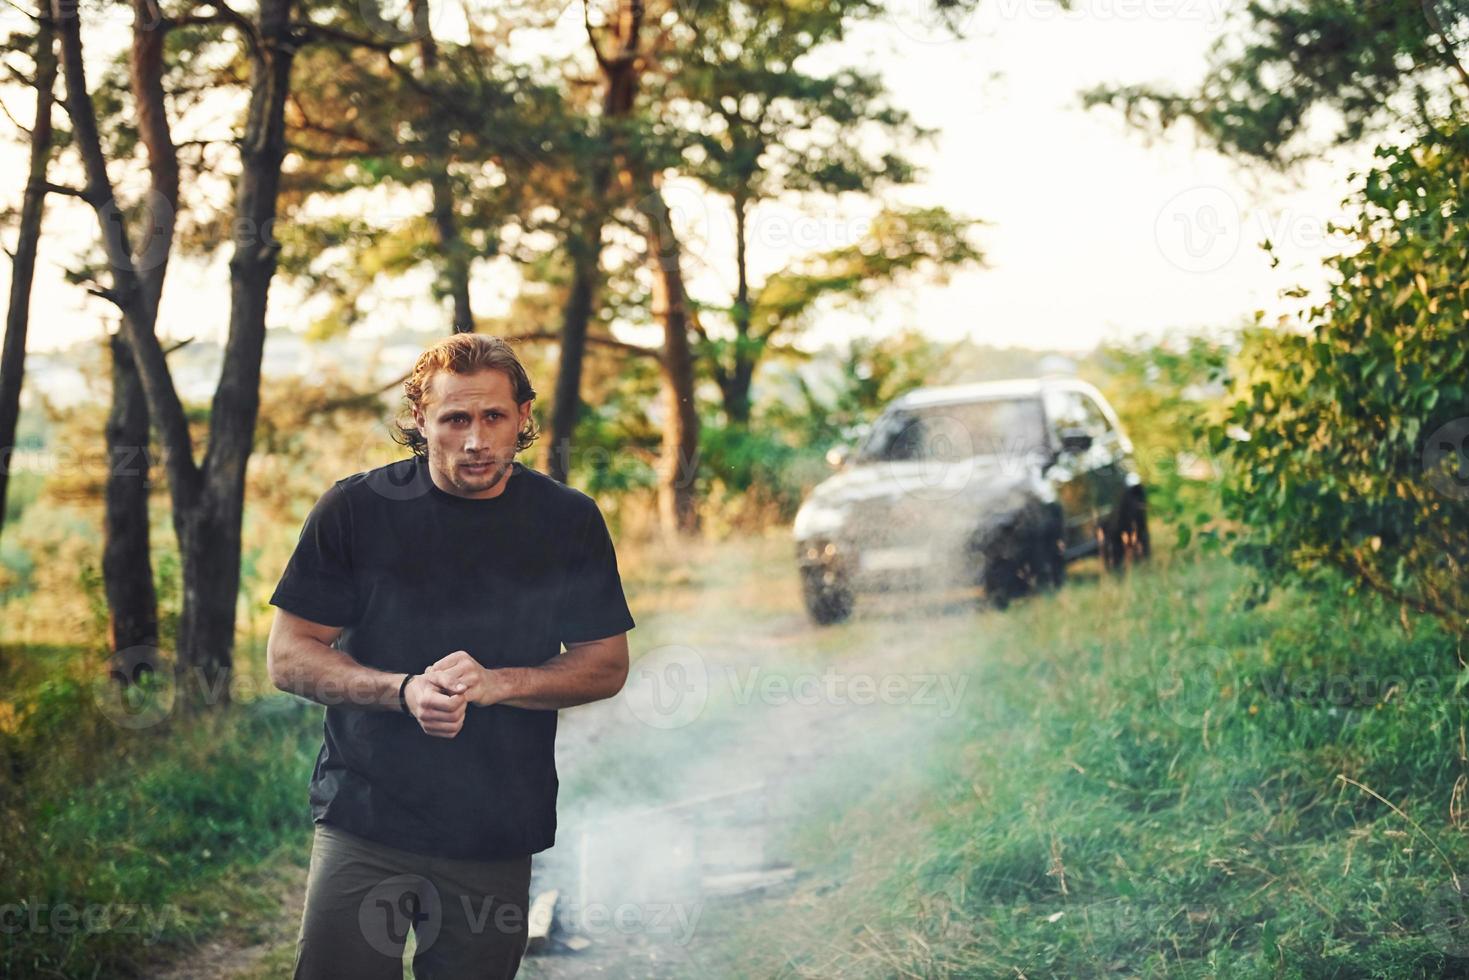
(64, 190)
(586, 19)
(33, 15)
(621, 345)
(14, 121)
(324, 32)
(245, 25)
(127, 291)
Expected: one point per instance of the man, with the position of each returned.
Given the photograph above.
(426, 605)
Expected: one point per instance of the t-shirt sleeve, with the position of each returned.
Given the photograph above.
(592, 603)
(318, 583)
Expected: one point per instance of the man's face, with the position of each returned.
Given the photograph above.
(471, 423)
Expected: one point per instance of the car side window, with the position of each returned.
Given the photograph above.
(908, 439)
(885, 440)
(1096, 421)
(1065, 411)
(1075, 410)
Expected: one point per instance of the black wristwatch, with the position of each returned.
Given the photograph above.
(403, 692)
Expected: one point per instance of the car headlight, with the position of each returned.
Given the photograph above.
(814, 519)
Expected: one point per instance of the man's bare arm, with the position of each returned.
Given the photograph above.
(300, 658)
(586, 672)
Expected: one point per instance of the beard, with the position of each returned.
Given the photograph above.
(482, 479)
(473, 481)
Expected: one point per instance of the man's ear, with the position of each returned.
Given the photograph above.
(525, 411)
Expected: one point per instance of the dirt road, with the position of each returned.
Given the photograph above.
(740, 723)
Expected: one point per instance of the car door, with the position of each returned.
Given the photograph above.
(1068, 471)
(1107, 459)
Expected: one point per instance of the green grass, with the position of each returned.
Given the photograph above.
(1144, 781)
(180, 833)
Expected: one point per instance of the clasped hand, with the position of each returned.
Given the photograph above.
(439, 696)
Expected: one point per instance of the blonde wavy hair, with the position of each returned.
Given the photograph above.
(462, 353)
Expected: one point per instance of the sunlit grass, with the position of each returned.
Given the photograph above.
(1138, 781)
(1090, 815)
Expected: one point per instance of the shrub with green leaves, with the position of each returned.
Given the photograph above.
(1354, 454)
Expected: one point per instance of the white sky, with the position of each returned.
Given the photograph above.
(1093, 233)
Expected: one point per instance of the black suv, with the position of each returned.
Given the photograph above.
(996, 485)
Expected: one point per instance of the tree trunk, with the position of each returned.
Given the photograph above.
(208, 500)
(575, 317)
(456, 260)
(23, 268)
(620, 73)
(127, 567)
(736, 391)
(678, 465)
(734, 378)
(209, 532)
(209, 553)
(735, 383)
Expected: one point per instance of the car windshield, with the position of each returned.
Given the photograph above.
(995, 427)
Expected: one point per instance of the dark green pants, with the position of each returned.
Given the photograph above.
(362, 899)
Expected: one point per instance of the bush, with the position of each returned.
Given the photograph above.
(1352, 454)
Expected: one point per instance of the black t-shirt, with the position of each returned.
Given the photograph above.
(414, 573)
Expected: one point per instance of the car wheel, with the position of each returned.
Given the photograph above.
(826, 602)
(1125, 542)
(1050, 562)
(1019, 566)
(1001, 581)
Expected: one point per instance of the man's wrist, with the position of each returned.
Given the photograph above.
(403, 693)
(496, 686)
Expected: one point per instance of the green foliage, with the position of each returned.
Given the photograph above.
(1348, 439)
(832, 409)
(494, 137)
(758, 123)
(754, 477)
(169, 816)
(899, 242)
(1371, 65)
(615, 451)
(1164, 393)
